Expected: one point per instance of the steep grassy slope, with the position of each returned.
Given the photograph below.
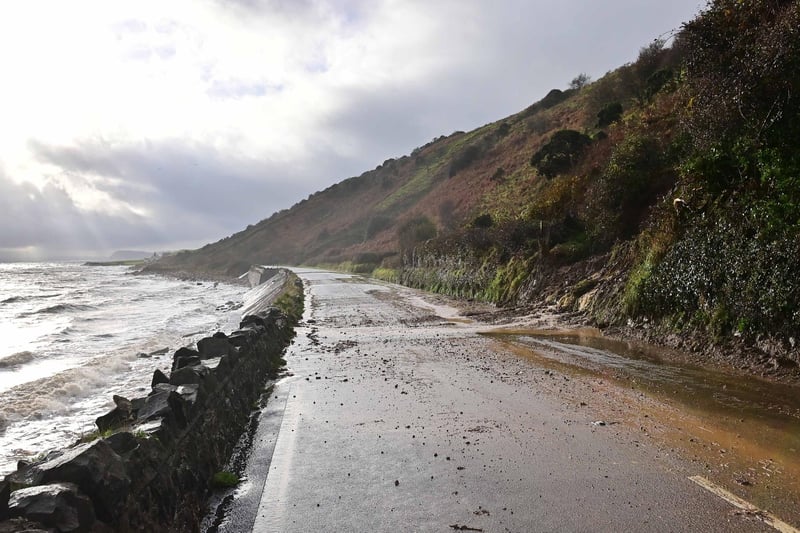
(667, 192)
(359, 219)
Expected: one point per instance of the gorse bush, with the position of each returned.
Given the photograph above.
(609, 114)
(556, 200)
(628, 185)
(483, 221)
(551, 99)
(560, 153)
(723, 275)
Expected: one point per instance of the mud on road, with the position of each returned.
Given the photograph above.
(399, 416)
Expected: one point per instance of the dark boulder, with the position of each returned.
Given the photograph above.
(122, 415)
(266, 318)
(96, 469)
(166, 398)
(178, 409)
(185, 357)
(155, 405)
(160, 387)
(59, 505)
(188, 392)
(211, 347)
(183, 362)
(23, 525)
(122, 442)
(243, 337)
(185, 352)
(111, 420)
(158, 377)
(189, 375)
(5, 492)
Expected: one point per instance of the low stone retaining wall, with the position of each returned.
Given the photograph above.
(152, 467)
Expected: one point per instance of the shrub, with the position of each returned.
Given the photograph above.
(552, 98)
(555, 200)
(649, 59)
(484, 221)
(224, 480)
(657, 81)
(609, 114)
(560, 153)
(367, 257)
(743, 69)
(627, 187)
(725, 271)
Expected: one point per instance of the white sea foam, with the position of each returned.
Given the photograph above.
(17, 359)
(63, 361)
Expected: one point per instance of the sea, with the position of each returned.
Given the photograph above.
(72, 336)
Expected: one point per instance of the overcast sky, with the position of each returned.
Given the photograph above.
(157, 125)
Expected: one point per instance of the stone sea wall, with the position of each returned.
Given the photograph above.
(153, 462)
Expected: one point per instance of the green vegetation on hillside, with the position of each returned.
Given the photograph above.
(667, 190)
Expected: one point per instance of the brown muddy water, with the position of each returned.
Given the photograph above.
(750, 427)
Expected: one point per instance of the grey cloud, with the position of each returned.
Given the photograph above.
(177, 178)
(194, 192)
(49, 220)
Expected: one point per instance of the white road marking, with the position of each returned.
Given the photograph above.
(766, 517)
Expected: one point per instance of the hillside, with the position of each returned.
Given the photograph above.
(665, 194)
(441, 186)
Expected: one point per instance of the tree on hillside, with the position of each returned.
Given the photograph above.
(580, 81)
(649, 59)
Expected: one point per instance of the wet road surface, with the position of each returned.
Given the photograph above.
(399, 418)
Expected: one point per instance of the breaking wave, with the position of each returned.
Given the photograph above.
(18, 298)
(73, 336)
(54, 394)
(60, 308)
(16, 359)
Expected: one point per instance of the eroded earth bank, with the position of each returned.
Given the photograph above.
(398, 414)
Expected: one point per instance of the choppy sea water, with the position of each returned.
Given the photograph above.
(71, 336)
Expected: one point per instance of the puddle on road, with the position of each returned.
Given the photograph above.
(759, 420)
(708, 390)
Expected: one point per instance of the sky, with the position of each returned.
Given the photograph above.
(153, 125)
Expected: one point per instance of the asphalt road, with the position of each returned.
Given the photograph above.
(398, 418)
